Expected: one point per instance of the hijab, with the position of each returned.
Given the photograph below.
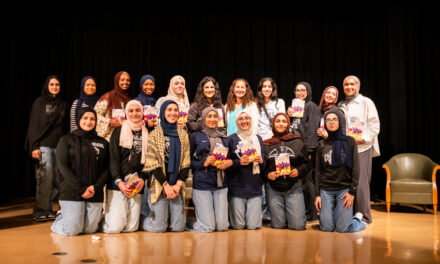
(40, 121)
(89, 100)
(182, 99)
(170, 130)
(278, 137)
(116, 96)
(309, 90)
(323, 105)
(143, 97)
(126, 136)
(249, 135)
(341, 151)
(358, 87)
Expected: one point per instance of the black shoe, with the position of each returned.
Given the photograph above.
(40, 218)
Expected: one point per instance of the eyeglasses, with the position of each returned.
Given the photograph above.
(333, 120)
(300, 90)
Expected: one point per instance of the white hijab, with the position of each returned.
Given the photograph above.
(249, 134)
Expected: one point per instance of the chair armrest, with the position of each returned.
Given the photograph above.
(387, 169)
(434, 173)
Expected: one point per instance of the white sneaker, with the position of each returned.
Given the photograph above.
(359, 216)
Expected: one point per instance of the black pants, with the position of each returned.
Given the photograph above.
(309, 191)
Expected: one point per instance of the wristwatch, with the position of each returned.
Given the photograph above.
(117, 181)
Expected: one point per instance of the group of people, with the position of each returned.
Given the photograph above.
(123, 176)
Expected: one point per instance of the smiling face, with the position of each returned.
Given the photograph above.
(209, 90)
(211, 120)
(332, 122)
(301, 92)
(135, 113)
(244, 121)
(330, 96)
(281, 124)
(124, 81)
(90, 87)
(171, 113)
(240, 89)
(87, 121)
(350, 87)
(267, 89)
(54, 87)
(148, 87)
(179, 86)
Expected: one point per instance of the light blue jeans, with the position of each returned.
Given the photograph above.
(245, 212)
(211, 210)
(121, 213)
(287, 209)
(334, 217)
(45, 179)
(165, 211)
(77, 217)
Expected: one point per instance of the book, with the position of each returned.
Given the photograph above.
(131, 181)
(150, 113)
(183, 113)
(221, 119)
(220, 153)
(297, 108)
(118, 115)
(355, 129)
(282, 164)
(246, 148)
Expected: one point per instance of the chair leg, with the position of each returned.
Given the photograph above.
(388, 207)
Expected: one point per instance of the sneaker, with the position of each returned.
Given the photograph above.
(51, 216)
(40, 218)
(359, 216)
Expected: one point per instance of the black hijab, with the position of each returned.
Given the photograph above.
(341, 151)
(41, 120)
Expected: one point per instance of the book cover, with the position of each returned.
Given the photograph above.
(150, 113)
(221, 120)
(282, 164)
(355, 129)
(220, 153)
(297, 108)
(183, 113)
(118, 115)
(130, 183)
(247, 149)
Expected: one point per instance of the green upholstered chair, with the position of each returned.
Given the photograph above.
(411, 178)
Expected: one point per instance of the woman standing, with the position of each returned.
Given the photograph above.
(244, 180)
(361, 109)
(168, 164)
(87, 98)
(147, 87)
(128, 149)
(46, 126)
(208, 94)
(115, 99)
(336, 178)
(328, 102)
(82, 159)
(285, 192)
(240, 98)
(210, 192)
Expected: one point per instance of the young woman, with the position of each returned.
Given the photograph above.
(176, 93)
(306, 127)
(168, 164)
(208, 94)
(115, 99)
(362, 109)
(210, 192)
(46, 126)
(328, 102)
(82, 159)
(244, 180)
(285, 191)
(240, 97)
(128, 150)
(147, 87)
(336, 178)
(87, 98)
(268, 105)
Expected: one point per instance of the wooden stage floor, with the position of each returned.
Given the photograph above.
(406, 235)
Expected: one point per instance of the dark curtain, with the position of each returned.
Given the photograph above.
(392, 47)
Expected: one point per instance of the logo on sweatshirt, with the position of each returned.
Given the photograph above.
(328, 157)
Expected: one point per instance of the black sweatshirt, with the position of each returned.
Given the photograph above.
(298, 160)
(332, 178)
(71, 187)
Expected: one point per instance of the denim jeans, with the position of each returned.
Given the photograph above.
(121, 213)
(211, 210)
(265, 207)
(45, 178)
(245, 212)
(165, 211)
(145, 208)
(77, 217)
(287, 209)
(334, 217)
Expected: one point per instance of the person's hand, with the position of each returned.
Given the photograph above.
(273, 175)
(209, 161)
(290, 111)
(139, 185)
(348, 200)
(225, 164)
(244, 160)
(359, 141)
(169, 191)
(36, 154)
(89, 193)
(114, 123)
(293, 173)
(177, 187)
(318, 203)
(125, 191)
(322, 133)
(258, 159)
(181, 124)
(151, 122)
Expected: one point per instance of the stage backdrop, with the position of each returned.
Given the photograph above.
(393, 48)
